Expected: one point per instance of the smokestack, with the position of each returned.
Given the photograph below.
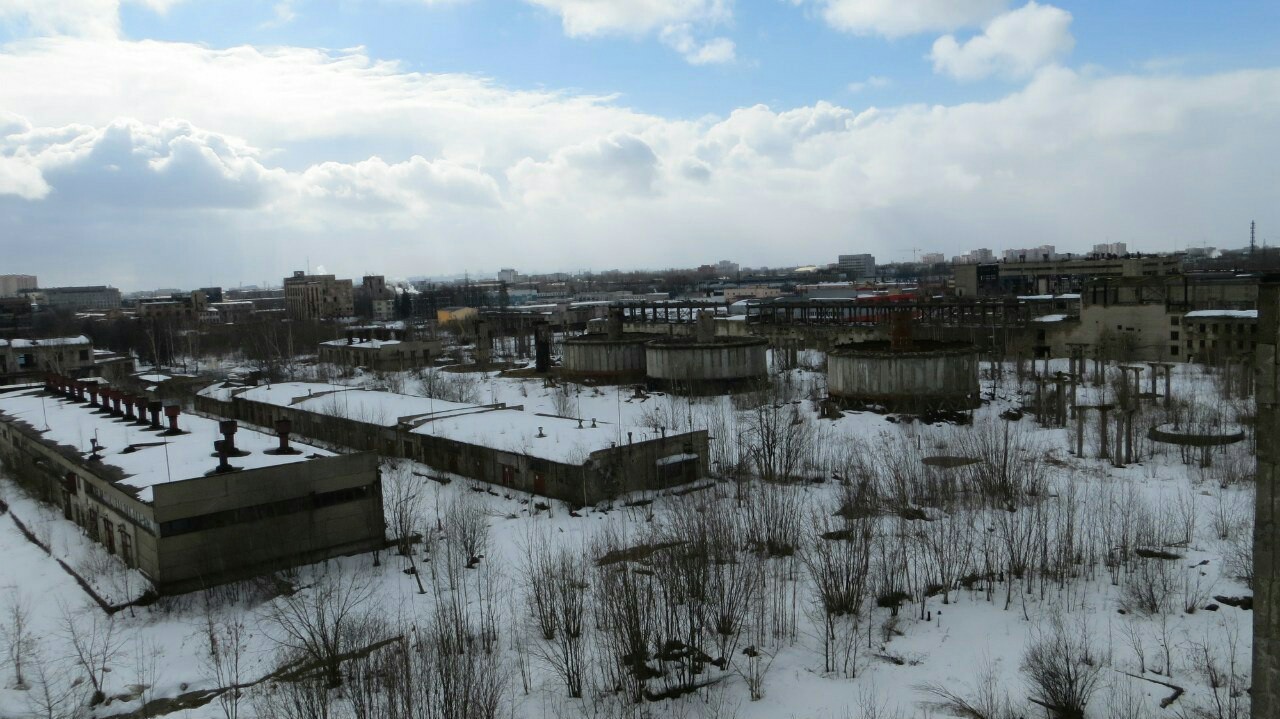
(706, 328)
(154, 409)
(172, 411)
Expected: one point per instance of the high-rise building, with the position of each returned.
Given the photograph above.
(317, 297)
(857, 267)
(10, 285)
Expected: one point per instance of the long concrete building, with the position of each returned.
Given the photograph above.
(581, 461)
(188, 501)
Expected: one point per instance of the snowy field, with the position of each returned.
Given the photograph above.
(888, 569)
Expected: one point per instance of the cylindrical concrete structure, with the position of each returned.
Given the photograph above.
(688, 365)
(924, 376)
(604, 358)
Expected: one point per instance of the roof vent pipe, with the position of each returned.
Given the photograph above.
(284, 427)
(172, 411)
(154, 408)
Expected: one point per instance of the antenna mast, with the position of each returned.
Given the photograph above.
(1253, 226)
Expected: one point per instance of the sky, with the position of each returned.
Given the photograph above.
(186, 143)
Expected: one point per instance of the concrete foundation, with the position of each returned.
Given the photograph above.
(926, 376)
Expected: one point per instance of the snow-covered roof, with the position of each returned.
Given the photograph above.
(164, 459)
(1233, 314)
(47, 342)
(517, 431)
(382, 408)
(1050, 318)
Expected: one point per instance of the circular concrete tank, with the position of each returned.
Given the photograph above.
(605, 358)
(920, 377)
(701, 365)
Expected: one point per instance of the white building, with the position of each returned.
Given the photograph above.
(1111, 248)
(857, 266)
(11, 284)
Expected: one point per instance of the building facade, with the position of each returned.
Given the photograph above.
(381, 349)
(68, 355)
(317, 297)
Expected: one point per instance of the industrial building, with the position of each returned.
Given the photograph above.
(317, 297)
(582, 461)
(993, 279)
(96, 297)
(68, 355)
(188, 501)
(380, 348)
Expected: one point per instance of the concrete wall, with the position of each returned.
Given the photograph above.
(696, 362)
(277, 523)
(1266, 560)
(946, 379)
(604, 359)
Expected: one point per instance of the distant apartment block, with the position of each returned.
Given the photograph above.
(507, 275)
(933, 258)
(1111, 248)
(1043, 253)
(96, 297)
(317, 297)
(10, 285)
(973, 257)
(857, 267)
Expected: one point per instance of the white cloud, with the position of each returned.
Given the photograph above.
(718, 50)
(873, 82)
(366, 165)
(585, 18)
(1015, 44)
(680, 24)
(83, 18)
(896, 18)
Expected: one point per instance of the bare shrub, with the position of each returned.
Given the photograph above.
(985, 700)
(323, 622)
(1149, 586)
(1061, 669)
(226, 640)
(556, 592)
(838, 560)
(96, 644)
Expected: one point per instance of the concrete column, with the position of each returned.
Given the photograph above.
(1266, 537)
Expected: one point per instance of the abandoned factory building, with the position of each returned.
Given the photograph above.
(582, 461)
(149, 483)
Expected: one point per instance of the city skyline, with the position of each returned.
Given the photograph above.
(160, 142)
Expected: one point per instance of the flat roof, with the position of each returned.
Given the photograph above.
(386, 409)
(517, 431)
(163, 459)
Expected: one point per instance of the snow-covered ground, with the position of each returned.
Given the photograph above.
(1079, 529)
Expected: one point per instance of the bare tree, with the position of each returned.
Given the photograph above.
(838, 560)
(52, 694)
(404, 496)
(96, 644)
(321, 622)
(556, 591)
(226, 640)
(16, 637)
